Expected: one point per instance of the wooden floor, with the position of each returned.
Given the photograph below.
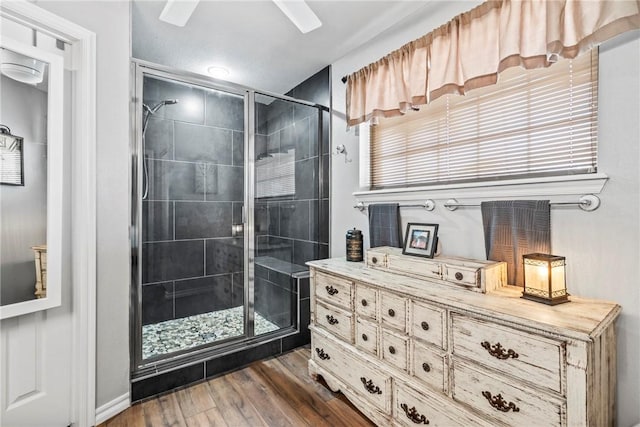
(274, 392)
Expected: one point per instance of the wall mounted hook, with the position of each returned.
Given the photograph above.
(341, 149)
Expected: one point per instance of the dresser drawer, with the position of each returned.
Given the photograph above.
(462, 275)
(367, 336)
(413, 407)
(428, 324)
(376, 259)
(395, 349)
(366, 301)
(505, 400)
(335, 320)
(370, 384)
(394, 311)
(518, 353)
(333, 289)
(412, 266)
(429, 367)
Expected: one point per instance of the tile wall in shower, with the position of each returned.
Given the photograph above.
(190, 261)
(293, 229)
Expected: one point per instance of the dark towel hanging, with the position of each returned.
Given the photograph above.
(384, 225)
(513, 228)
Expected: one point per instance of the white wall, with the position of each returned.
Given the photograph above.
(110, 21)
(602, 247)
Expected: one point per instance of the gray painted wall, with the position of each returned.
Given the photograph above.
(602, 247)
(110, 21)
(23, 209)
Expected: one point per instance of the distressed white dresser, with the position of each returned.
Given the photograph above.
(409, 351)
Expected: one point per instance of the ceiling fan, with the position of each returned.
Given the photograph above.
(178, 12)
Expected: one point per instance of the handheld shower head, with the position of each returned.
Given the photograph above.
(148, 112)
(152, 110)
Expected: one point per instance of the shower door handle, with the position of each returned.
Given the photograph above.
(237, 230)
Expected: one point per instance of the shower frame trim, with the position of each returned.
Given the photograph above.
(144, 368)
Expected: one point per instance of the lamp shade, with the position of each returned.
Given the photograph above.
(545, 278)
(21, 68)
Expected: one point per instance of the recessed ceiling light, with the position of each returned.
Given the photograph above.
(218, 72)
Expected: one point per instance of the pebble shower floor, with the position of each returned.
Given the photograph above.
(180, 334)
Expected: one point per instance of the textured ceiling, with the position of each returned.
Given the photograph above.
(257, 43)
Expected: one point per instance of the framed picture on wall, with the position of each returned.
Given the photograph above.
(11, 158)
(420, 240)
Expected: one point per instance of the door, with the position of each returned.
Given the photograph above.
(189, 210)
(47, 356)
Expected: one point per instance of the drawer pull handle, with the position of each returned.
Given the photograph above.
(365, 337)
(459, 276)
(499, 403)
(368, 384)
(413, 415)
(392, 349)
(392, 313)
(364, 302)
(497, 351)
(425, 326)
(321, 354)
(426, 367)
(331, 290)
(332, 320)
(374, 260)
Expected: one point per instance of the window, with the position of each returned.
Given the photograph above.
(532, 123)
(275, 174)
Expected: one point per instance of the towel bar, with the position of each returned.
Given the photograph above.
(587, 202)
(428, 205)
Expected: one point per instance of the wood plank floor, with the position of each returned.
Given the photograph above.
(273, 392)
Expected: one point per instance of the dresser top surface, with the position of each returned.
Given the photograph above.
(580, 319)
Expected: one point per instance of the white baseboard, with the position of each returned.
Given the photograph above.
(112, 408)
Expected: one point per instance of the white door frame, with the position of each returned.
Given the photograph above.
(83, 203)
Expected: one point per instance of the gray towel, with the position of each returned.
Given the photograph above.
(513, 228)
(384, 225)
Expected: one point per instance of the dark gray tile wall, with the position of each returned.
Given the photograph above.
(302, 219)
(194, 155)
(295, 228)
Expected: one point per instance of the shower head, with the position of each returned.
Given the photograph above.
(152, 110)
(149, 111)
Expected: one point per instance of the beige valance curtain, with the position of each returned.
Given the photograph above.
(473, 48)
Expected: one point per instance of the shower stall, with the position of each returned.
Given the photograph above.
(229, 200)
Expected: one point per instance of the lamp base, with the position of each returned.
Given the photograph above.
(547, 301)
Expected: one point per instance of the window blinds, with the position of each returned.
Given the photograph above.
(531, 123)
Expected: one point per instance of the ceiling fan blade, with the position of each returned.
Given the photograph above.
(300, 14)
(178, 12)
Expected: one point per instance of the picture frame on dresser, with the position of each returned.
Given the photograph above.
(420, 240)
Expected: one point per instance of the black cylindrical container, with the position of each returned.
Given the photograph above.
(354, 245)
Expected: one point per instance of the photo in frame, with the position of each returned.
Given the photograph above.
(420, 240)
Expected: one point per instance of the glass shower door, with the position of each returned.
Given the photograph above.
(227, 206)
(192, 189)
(286, 199)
